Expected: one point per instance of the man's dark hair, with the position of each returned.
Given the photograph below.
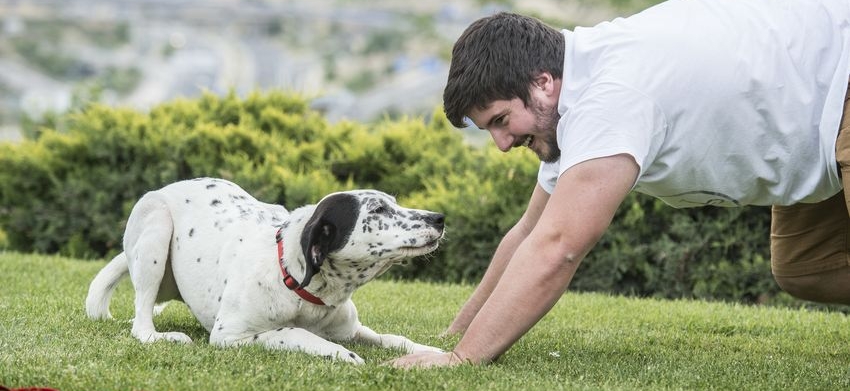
(497, 58)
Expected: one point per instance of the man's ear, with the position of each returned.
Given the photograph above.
(545, 89)
(327, 230)
(544, 81)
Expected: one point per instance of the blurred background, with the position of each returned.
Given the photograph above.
(380, 64)
(354, 59)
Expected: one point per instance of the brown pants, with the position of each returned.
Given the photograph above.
(809, 240)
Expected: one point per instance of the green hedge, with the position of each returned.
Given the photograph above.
(710, 252)
(71, 191)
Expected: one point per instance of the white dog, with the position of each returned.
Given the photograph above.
(237, 262)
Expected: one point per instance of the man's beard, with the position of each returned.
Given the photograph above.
(545, 129)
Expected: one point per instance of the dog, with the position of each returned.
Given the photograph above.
(254, 273)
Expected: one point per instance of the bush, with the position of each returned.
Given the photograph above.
(70, 191)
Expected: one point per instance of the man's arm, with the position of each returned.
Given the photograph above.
(577, 214)
(503, 254)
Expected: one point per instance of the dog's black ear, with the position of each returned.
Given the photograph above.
(327, 230)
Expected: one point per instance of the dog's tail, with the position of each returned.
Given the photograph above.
(101, 288)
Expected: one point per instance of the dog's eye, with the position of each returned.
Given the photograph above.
(379, 209)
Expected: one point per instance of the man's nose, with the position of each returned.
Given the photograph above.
(503, 140)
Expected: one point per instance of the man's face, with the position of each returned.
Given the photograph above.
(512, 124)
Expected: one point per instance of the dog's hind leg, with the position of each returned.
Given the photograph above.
(147, 242)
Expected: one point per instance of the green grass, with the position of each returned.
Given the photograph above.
(588, 342)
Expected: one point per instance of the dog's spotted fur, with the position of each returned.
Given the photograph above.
(209, 244)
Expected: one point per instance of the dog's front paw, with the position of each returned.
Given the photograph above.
(177, 337)
(425, 348)
(349, 357)
(417, 348)
(170, 336)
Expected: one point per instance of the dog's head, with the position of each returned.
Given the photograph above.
(364, 232)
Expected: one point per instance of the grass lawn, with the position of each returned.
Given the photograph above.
(588, 342)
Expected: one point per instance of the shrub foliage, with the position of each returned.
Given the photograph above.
(70, 191)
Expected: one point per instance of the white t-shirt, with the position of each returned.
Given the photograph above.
(720, 102)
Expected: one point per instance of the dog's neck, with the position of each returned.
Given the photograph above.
(325, 285)
(288, 279)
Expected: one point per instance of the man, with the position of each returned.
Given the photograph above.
(696, 102)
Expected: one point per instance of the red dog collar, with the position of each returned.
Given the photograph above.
(290, 281)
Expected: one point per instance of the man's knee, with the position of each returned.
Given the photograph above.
(826, 287)
(799, 287)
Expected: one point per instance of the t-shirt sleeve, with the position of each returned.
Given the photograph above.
(547, 176)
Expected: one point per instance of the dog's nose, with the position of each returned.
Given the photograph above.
(436, 220)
